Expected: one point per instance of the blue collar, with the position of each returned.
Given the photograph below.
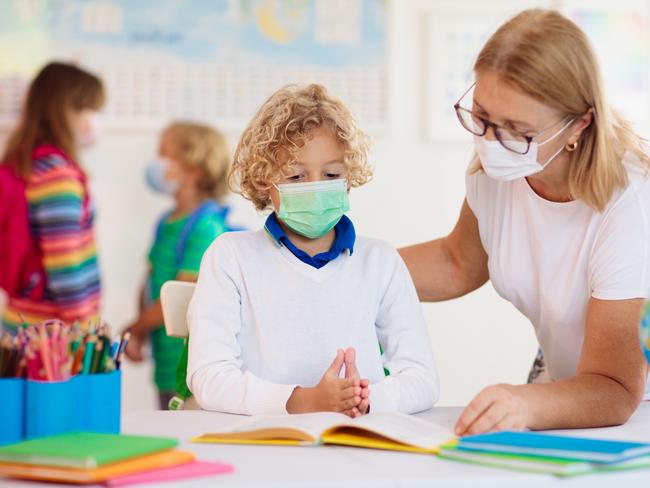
(344, 240)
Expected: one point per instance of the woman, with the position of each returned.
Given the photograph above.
(557, 216)
(58, 119)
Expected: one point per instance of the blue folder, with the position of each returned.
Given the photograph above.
(554, 446)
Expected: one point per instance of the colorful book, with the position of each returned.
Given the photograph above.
(142, 464)
(84, 450)
(536, 444)
(391, 431)
(538, 464)
(529, 464)
(180, 472)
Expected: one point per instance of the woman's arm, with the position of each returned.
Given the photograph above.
(451, 266)
(607, 388)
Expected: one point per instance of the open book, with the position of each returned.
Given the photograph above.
(392, 431)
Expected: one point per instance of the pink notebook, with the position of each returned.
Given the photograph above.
(182, 471)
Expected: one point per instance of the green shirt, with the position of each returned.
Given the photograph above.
(162, 260)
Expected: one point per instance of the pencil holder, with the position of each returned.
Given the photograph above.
(12, 410)
(85, 402)
(101, 399)
(52, 407)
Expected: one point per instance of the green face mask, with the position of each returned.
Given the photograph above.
(313, 209)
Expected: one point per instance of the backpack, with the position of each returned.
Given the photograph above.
(206, 208)
(209, 207)
(21, 267)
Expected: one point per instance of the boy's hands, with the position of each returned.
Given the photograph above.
(351, 371)
(348, 395)
(331, 394)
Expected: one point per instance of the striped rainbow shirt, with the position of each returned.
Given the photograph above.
(61, 218)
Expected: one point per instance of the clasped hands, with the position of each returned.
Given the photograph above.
(349, 394)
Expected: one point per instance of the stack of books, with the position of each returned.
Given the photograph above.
(547, 453)
(111, 459)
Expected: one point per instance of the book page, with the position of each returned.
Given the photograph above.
(403, 428)
(312, 424)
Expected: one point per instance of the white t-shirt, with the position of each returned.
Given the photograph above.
(262, 322)
(549, 258)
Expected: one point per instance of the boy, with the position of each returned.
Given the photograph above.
(280, 314)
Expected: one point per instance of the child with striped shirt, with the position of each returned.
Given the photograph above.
(59, 260)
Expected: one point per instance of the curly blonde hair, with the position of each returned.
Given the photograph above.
(201, 146)
(269, 145)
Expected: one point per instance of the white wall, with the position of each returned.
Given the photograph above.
(416, 195)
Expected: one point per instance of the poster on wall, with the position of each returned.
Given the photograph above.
(452, 36)
(213, 61)
(620, 35)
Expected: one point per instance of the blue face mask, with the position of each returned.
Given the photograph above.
(154, 175)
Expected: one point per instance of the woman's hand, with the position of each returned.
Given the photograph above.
(497, 407)
(331, 394)
(351, 371)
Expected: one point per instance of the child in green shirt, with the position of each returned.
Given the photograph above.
(192, 168)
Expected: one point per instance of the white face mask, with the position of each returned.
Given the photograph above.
(89, 135)
(504, 165)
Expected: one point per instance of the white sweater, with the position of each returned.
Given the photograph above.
(262, 322)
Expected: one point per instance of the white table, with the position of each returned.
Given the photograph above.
(342, 467)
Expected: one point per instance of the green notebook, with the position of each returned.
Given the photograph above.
(538, 464)
(558, 467)
(83, 450)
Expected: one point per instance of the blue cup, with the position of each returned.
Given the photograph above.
(101, 396)
(52, 407)
(85, 402)
(12, 410)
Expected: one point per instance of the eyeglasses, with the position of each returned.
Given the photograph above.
(511, 139)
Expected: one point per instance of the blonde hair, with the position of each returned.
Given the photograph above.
(279, 130)
(548, 57)
(200, 146)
